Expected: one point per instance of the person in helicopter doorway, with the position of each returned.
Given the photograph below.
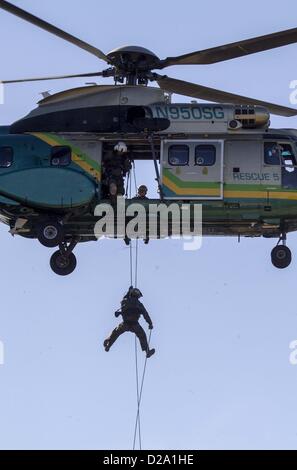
(141, 193)
(142, 196)
(131, 310)
(116, 165)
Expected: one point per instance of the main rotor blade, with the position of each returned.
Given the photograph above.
(51, 29)
(234, 50)
(210, 94)
(59, 77)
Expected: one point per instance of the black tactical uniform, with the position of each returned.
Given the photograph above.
(131, 310)
(115, 168)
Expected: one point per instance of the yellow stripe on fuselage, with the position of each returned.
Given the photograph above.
(290, 196)
(75, 158)
(190, 191)
(229, 193)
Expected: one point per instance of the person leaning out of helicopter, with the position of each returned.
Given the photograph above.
(116, 165)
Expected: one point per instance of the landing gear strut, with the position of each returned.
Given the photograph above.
(63, 262)
(281, 255)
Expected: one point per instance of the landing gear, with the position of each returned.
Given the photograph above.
(281, 255)
(63, 262)
(63, 265)
(50, 233)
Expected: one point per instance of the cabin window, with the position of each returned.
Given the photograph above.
(178, 155)
(61, 156)
(6, 157)
(205, 155)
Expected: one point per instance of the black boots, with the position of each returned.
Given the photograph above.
(150, 352)
(127, 240)
(106, 345)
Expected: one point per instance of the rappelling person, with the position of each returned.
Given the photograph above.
(116, 166)
(131, 310)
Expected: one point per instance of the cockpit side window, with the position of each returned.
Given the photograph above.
(288, 157)
(6, 157)
(272, 153)
(61, 156)
(279, 153)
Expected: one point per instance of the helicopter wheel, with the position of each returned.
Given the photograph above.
(281, 256)
(50, 233)
(62, 264)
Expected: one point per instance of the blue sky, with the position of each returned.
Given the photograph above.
(223, 316)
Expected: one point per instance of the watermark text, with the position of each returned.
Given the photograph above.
(154, 221)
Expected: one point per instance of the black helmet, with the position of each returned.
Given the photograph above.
(136, 293)
(142, 188)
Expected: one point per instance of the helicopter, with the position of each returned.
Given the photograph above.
(222, 155)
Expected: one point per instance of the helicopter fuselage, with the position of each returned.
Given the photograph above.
(230, 175)
(224, 157)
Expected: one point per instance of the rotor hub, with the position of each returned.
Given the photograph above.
(131, 59)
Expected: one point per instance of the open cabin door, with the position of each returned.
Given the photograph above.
(192, 169)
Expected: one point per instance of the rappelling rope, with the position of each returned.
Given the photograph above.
(139, 390)
(129, 191)
(137, 424)
(134, 174)
(137, 421)
(131, 263)
(128, 185)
